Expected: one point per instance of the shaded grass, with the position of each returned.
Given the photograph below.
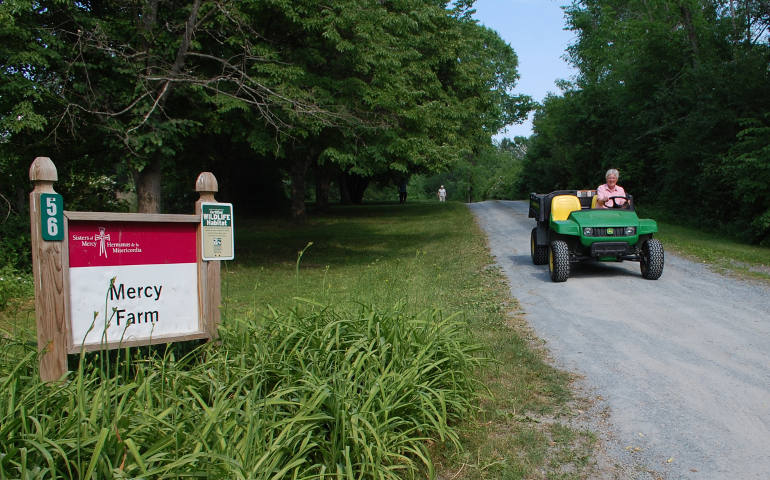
(381, 254)
(17, 307)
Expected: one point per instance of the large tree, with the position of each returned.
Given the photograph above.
(144, 77)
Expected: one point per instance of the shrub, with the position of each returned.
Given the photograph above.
(15, 243)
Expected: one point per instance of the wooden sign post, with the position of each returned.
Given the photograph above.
(112, 280)
(48, 273)
(208, 272)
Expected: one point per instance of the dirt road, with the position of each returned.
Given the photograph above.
(682, 363)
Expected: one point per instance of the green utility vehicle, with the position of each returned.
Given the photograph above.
(571, 229)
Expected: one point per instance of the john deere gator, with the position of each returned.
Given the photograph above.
(570, 229)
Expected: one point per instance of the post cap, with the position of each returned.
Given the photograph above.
(206, 182)
(43, 170)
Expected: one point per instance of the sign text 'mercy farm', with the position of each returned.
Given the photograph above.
(131, 281)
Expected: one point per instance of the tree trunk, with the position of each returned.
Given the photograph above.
(148, 181)
(148, 188)
(357, 195)
(354, 187)
(298, 172)
(322, 186)
(344, 190)
(691, 33)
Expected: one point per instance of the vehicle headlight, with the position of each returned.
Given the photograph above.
(588, 231)
(630, 231)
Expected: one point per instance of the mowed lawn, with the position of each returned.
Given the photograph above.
(421, 255)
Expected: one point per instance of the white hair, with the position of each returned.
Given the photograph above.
(612, 171)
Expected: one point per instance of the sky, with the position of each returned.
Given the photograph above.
(535, 30)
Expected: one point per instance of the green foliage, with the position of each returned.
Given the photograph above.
(303, 394)
(503, 167)
(747, 168)
(85, 190)
(14, 284)
(493, 173)
(360, 88)
(429, 84)
(671, 94)
(15, 242)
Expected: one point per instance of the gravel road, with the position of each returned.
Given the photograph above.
(682, 364)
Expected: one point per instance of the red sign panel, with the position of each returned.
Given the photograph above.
(102, 243)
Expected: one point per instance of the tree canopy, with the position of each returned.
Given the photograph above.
(675, 94)
(286, 90)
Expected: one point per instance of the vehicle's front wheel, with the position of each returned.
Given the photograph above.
(651, 261)
(558, 261)
(539, 252)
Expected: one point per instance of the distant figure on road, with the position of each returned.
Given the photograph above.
(442, 194)
(402, 192)
(610, 189)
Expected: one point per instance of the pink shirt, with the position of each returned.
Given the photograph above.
(604, 192)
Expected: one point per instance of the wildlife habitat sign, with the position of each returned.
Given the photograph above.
(217, 239)
(132, 281)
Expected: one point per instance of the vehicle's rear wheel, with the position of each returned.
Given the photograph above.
(651, 261)
(539, 252)
(558, 261)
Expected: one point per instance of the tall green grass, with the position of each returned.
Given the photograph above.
(353, 346)
(307, 393)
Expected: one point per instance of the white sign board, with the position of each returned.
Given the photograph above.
(132, 281)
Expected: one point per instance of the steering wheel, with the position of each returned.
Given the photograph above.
(616, 204)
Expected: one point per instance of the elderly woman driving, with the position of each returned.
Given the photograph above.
(606, 192)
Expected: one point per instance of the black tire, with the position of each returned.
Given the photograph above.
(539, 252)
(558, 261)
(651, 261)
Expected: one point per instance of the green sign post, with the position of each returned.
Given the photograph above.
(217, 239)
(52, 217)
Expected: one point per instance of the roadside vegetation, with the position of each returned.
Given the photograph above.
(379, 340)
(723, 254)
(372, 342)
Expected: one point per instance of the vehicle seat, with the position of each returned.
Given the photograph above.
(563, 205)
(593, 201)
